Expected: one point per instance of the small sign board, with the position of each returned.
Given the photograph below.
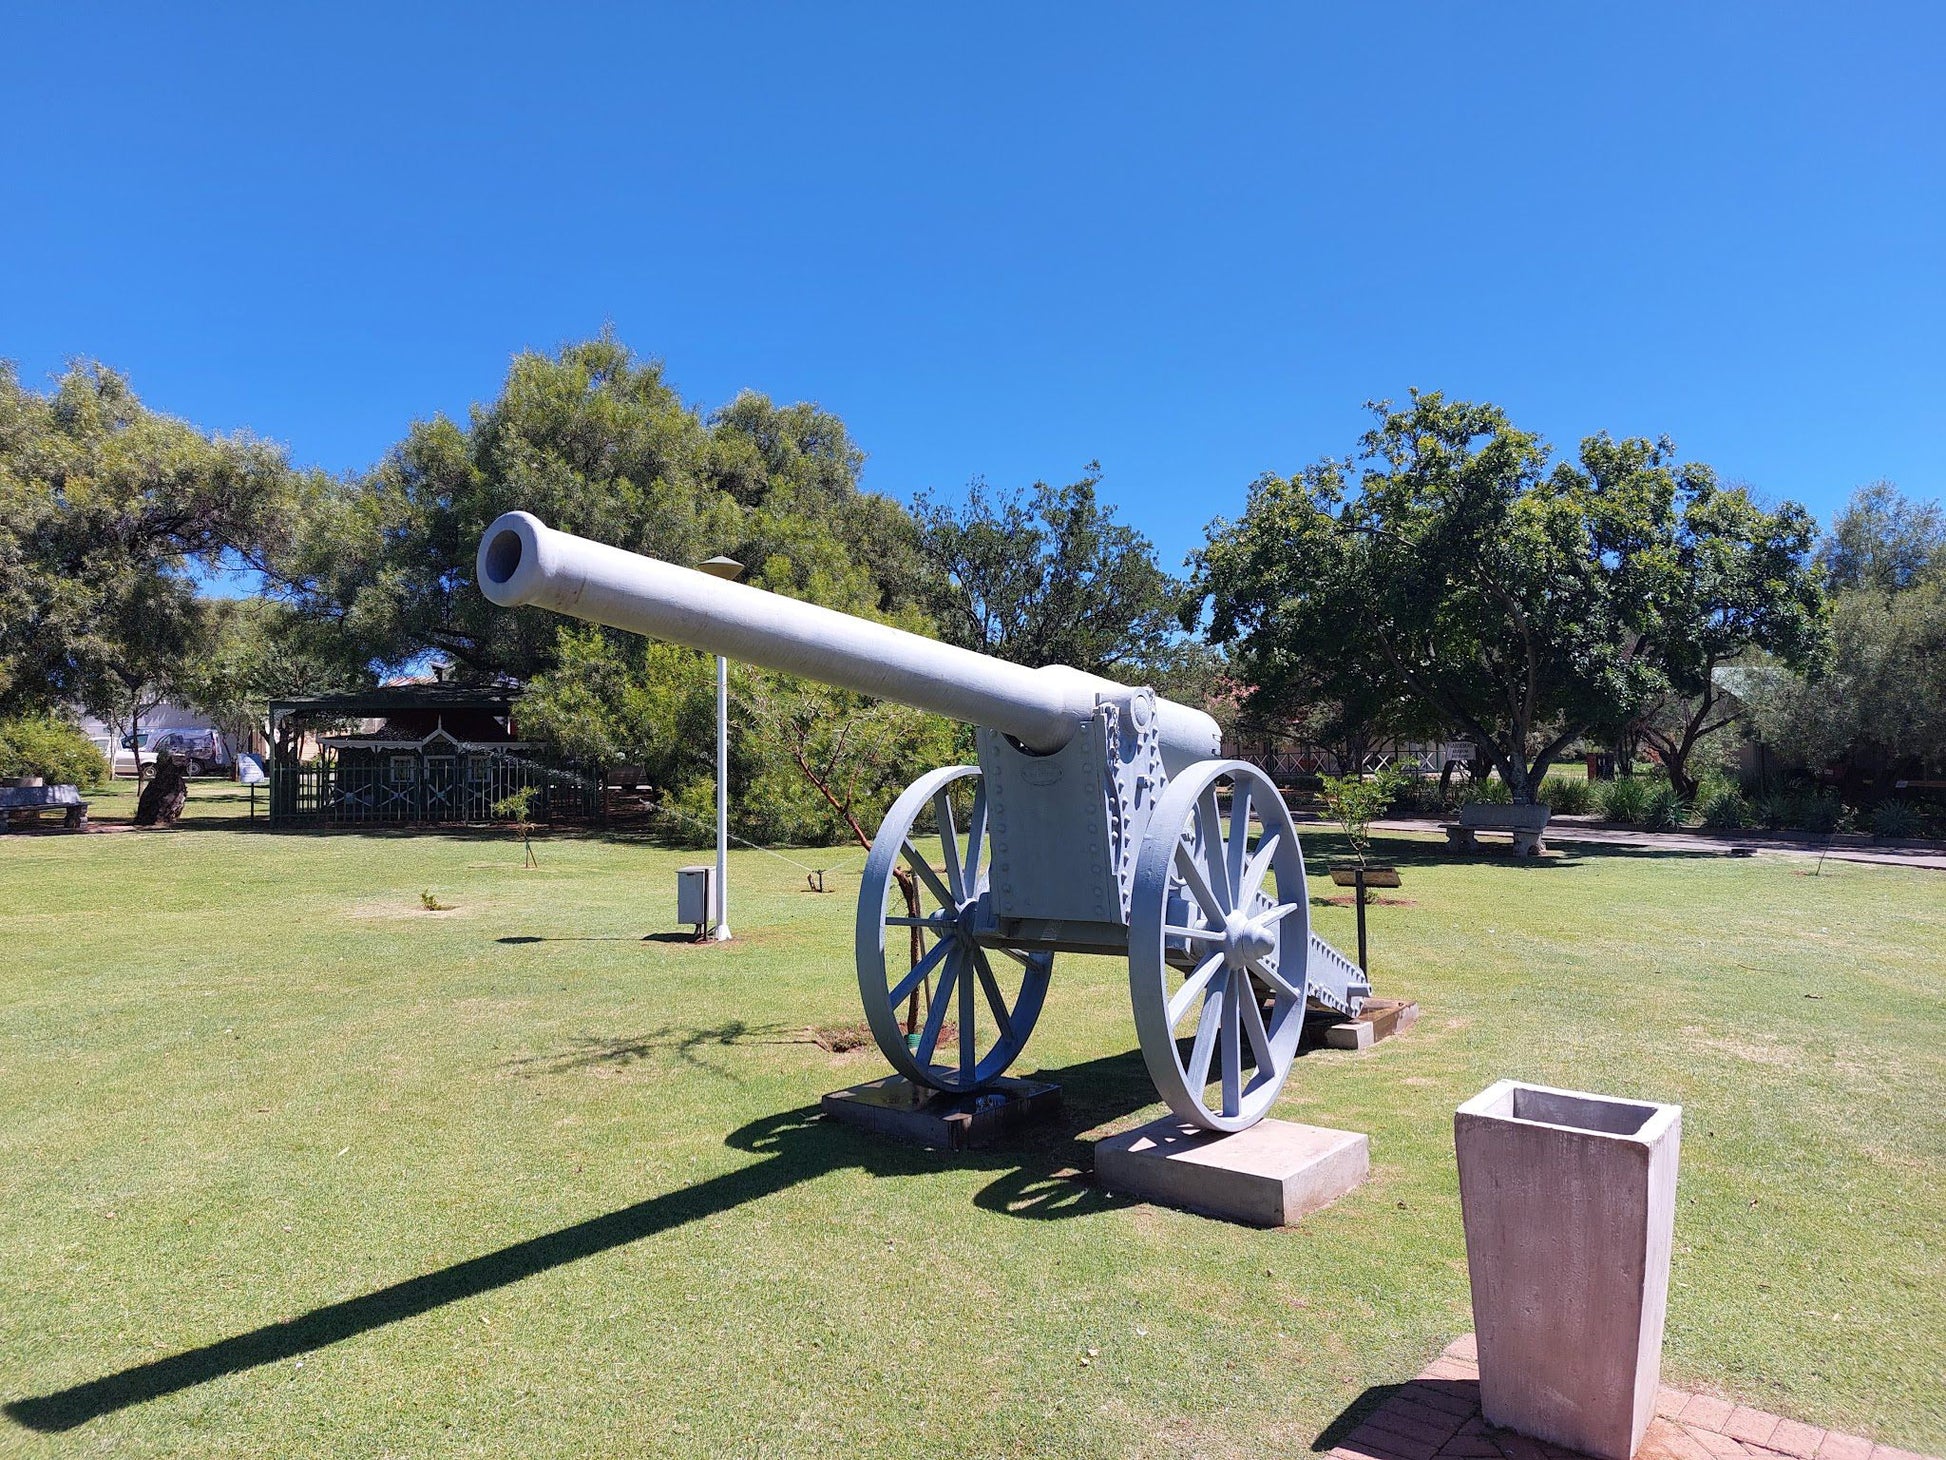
(1374, 876)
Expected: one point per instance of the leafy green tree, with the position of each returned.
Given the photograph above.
(1877, 706)
(1446, 567)
(618, 699)
(1738, 581)
(1884, 540)
(595, 442)
(857, 754)
(105, 509)
(1047, 577)
(258, 650)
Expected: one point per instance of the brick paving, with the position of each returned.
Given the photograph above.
(1437, 1417)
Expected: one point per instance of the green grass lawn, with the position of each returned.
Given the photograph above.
(291, 1166)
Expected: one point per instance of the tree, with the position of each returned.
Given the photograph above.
(1739, 582)
(1878, 708)
(620, 699)
(1877, 705)
(595, 442)
(1047, 577)
(1885, 541)
(259, 650)
(105, 508)
(1455, 579)
(857, 753)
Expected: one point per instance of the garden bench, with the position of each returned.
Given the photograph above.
(1525, 824)
(33, 800)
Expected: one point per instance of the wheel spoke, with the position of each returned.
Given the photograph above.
(1253, 1026)
(1192, 986)
(933, 921)
(1206, 1031)
(1239, 845)
(1198, 885)
(1201, 935)
(1209, 821)
(1275, 979)
(931, 878)
(942, 810)
(1251, 880)
(968, 1050)
(1232, 1038)
(976, 836)
(920, 969)
(1280, 912)
(942, 998)
(991, 987)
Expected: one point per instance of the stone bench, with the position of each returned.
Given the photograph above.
(33, 800)
(1525, 824)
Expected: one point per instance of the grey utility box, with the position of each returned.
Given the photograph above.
(1569, 1204)
(696, 896)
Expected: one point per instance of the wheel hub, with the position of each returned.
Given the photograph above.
(1246, 940)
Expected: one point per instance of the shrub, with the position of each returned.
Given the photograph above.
(1490, 792)
(1624, 799)
(52, 748)
(1567, 795)
(1423, 795)
(1815, 811)
(1724, 808)
(1662, 808)
(1897, 818)
(1355, 802)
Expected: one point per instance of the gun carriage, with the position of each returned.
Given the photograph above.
(1094, 823)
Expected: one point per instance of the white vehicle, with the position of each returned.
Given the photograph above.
(204, 751)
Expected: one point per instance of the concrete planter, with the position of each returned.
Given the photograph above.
(1569, 1203)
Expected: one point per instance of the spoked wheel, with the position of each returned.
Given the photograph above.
(1218, 942)
(920, 966)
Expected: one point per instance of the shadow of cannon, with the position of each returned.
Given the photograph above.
(1041, 1176)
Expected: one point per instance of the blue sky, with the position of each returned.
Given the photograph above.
(1187, 241)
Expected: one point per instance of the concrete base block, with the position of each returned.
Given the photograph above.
(1267, 1176)
(896, 1107)
(1379, 1019)
(1358, 1034)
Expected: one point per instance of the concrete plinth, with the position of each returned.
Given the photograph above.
(1379, 1019)
(896, 1107)
(1267, 1176)
(1568, 1200)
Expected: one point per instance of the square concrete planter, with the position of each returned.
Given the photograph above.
(1569, 1202)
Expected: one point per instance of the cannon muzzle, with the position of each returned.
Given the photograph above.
(522, 561)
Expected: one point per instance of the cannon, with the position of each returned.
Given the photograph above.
(1097, 821)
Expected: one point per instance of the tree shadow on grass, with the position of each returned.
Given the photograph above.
(588, 1051)
(1042, 1177)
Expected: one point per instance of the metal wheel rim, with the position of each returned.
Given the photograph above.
(1222, 982)
(968, 982)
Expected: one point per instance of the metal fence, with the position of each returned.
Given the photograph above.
(433, 788)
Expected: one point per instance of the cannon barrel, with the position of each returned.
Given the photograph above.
(522, 561)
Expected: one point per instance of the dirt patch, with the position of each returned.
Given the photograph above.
(844, 1038)
(1750, 1051)
(841, 1038)
(1373, 902)
(402, 907)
